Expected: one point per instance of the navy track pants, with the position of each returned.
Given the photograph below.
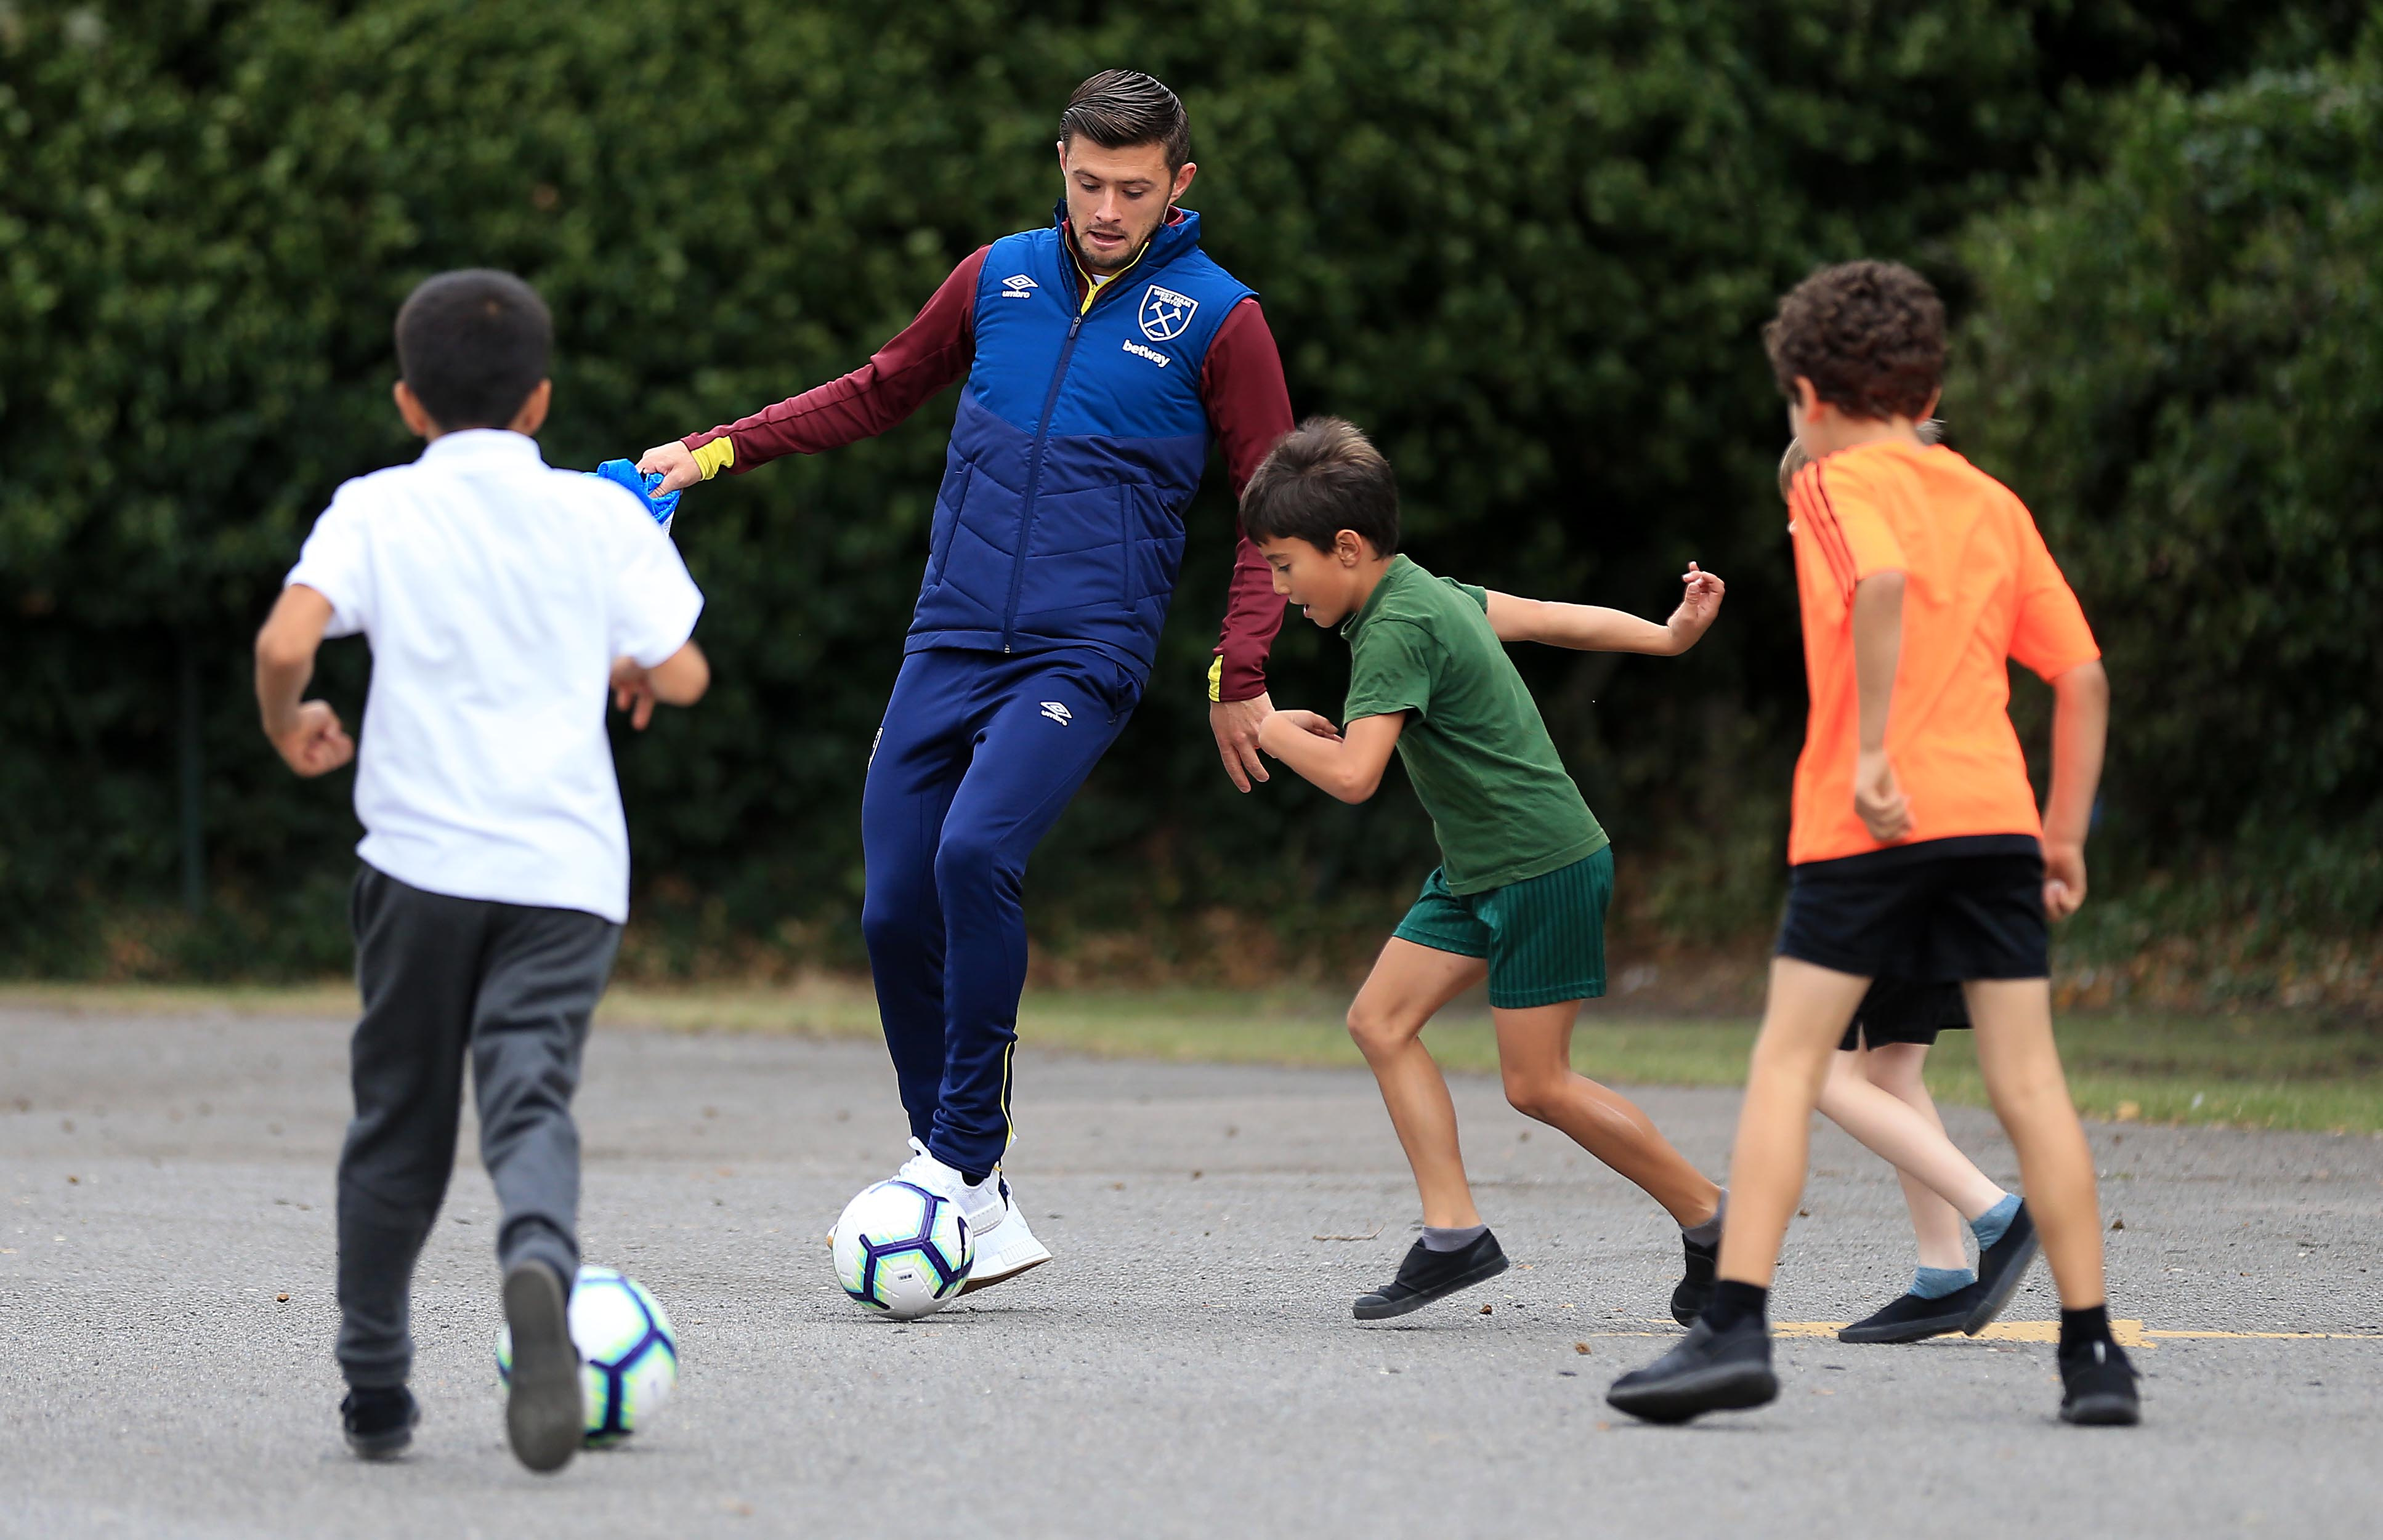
(977, 756)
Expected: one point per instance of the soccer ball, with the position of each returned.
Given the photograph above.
(628, 1353)
(902, 1250)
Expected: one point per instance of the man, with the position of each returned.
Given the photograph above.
(1102, 353)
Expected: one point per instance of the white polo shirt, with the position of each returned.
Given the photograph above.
(495, 593)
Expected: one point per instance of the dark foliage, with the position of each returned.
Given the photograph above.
(1527, 245)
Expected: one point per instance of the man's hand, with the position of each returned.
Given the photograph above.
(679, 471)
(2064, 880)
(1698, 605)
(1878, 798)
(1236, 724)
(633, 691)
(313, 743)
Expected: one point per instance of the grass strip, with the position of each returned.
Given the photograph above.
(2264, 1071)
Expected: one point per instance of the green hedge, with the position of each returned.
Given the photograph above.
(2179, 361)
(1525, 241)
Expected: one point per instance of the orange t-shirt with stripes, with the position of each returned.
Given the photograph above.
(1979, 588)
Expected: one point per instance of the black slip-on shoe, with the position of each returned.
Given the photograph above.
(545, 1419)
(2002, 1267)
(378, 1421)
(2097, 1388)
(1912, 1318)
(1708, 1371)
(1696, 1289)
(1427, 1275)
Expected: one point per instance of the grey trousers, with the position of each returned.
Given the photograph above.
(443, 979)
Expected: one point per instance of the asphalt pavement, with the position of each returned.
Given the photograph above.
(1187, 1366)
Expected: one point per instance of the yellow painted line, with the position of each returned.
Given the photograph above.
(2277, 1337)
(2128, 1334)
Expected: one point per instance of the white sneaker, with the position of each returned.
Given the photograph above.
(1006, 1252)
(984, 1206)
(1004, 1244)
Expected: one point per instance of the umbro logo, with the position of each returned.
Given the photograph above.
(1057, 712)
(1018, 286)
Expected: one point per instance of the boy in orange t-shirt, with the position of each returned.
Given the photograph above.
(1914, 848)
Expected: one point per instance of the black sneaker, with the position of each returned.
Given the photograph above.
(2097, 1388)
(1696, 1289)
(1727, 1370)
(379, 1420)
(545, 1419)
(2001, 1269)
(1912, 1318)
(1427, 1275)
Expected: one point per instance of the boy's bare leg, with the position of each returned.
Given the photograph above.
(1898, 1069)
(2013, 1021)
(1409, 984)
(1534, 1058)
(1914, 1145)
(1807, 1012)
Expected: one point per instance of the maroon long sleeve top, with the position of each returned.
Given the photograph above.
(1240, 385)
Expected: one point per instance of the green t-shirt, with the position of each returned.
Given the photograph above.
(1473, 746)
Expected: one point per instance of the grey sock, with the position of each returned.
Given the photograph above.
(1709, 1233)
(1935, 1283)
(1989, 1227)
(1455, 1240)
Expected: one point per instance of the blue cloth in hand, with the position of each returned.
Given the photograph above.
(624, 472)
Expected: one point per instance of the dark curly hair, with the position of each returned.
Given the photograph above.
(1868, 335)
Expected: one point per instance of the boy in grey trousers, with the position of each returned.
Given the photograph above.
(502, 600)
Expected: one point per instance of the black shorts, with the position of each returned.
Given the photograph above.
(1897, 1010)
(1933, 913)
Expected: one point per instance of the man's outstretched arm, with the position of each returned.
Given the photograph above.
(928, 354)
(1249, 405)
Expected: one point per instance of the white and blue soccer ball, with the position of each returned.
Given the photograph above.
(628, 1353)
(902, 1250)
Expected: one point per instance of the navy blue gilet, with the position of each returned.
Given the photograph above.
(1080, 441)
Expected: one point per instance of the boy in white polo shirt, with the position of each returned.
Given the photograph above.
(502, 600)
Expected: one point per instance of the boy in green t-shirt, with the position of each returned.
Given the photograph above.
(1525, 873)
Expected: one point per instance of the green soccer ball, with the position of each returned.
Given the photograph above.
(628, 1353)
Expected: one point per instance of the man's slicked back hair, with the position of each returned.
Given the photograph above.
(1868, 335)
(1119, 108)
(472, 344)
(1322, 477)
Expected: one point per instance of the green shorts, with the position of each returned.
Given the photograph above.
(1544, 936)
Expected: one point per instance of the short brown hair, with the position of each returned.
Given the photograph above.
(1322, 477)
(1119, 108)
(1868, 335)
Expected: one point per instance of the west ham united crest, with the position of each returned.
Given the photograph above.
(1164, 313)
